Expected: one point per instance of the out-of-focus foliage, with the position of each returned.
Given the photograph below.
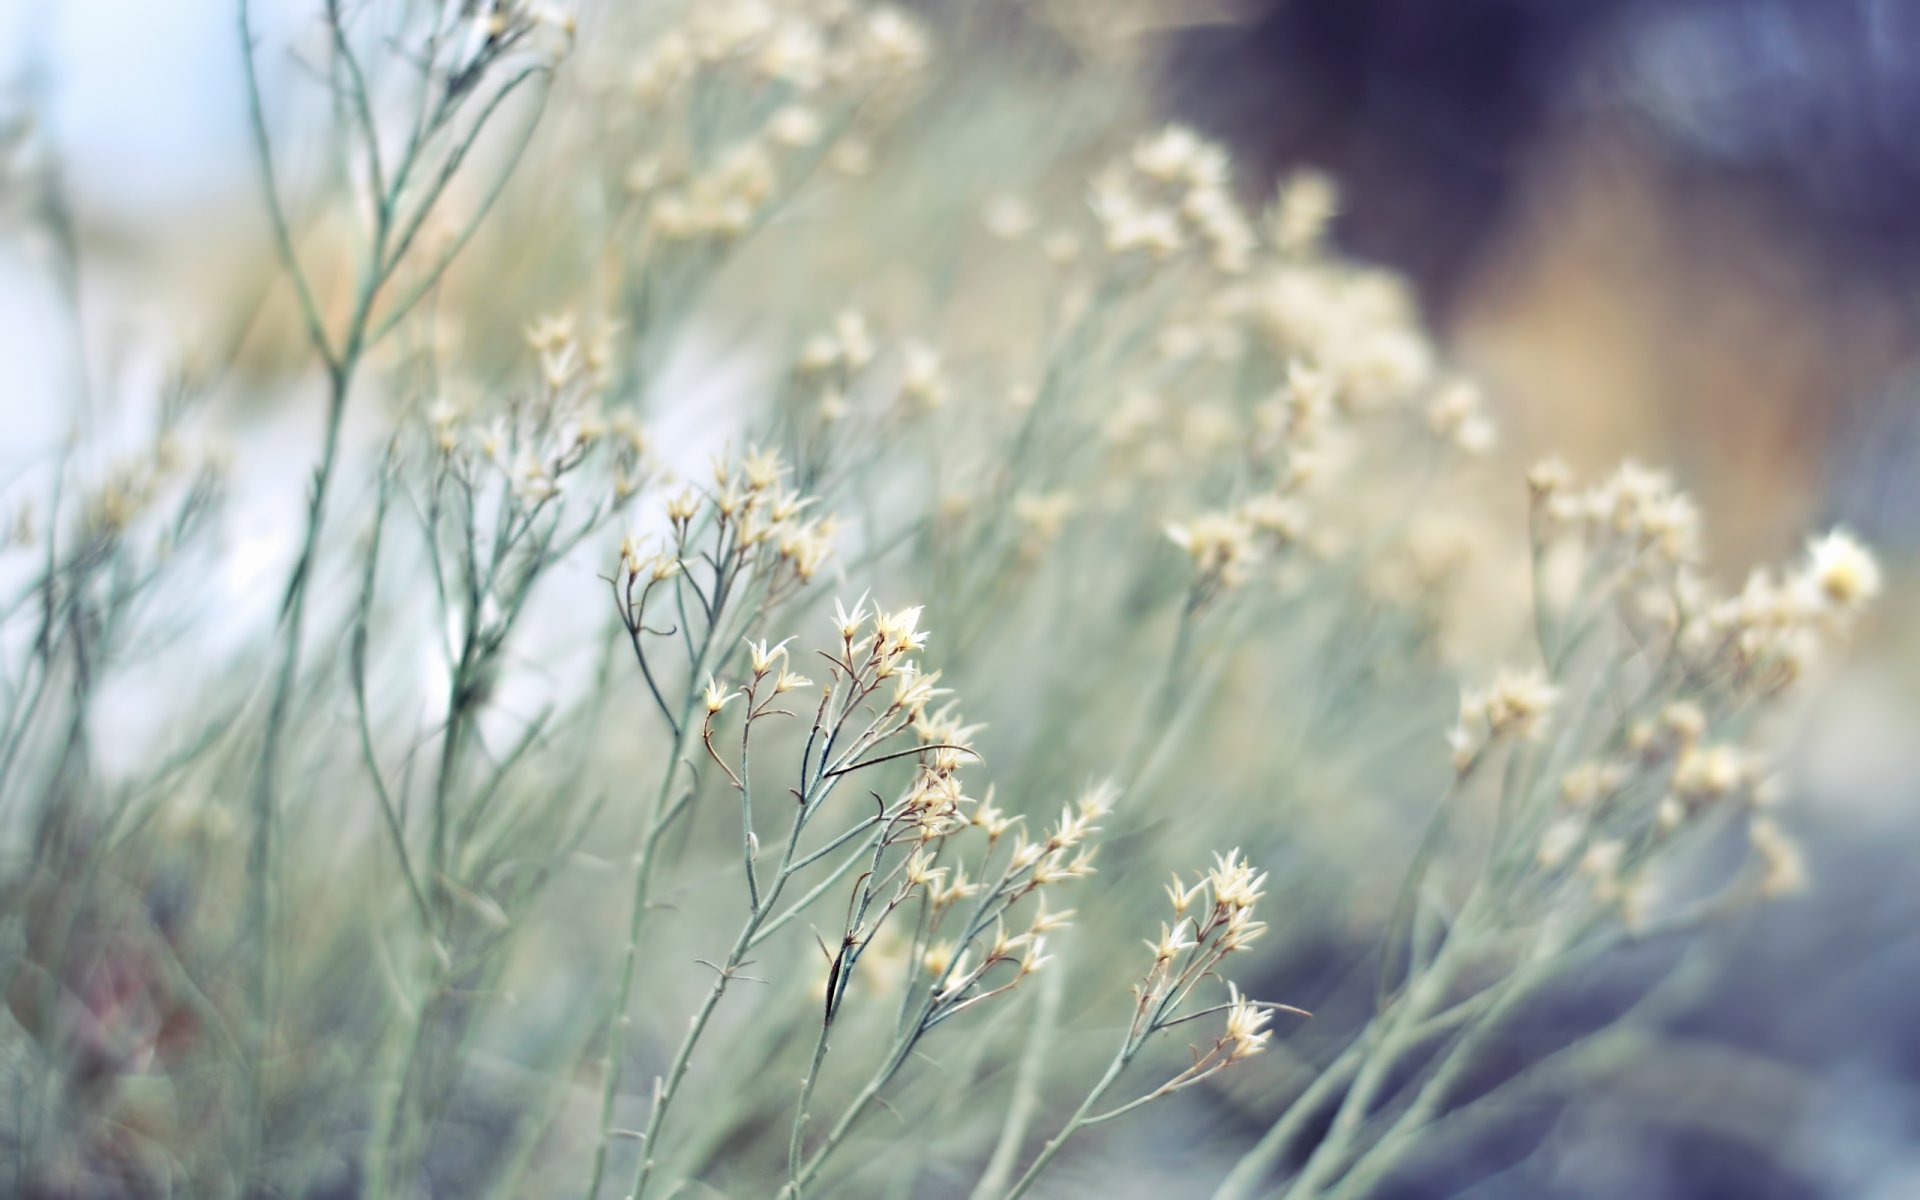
(811, 512)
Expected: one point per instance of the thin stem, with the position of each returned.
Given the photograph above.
(282, 232)
(1073, 1125)
(1026, 1089)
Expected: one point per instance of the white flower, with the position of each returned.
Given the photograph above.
(1842, 571)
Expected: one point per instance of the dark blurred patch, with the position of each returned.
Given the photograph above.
(1429, 110)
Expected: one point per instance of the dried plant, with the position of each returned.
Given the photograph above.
(520, 896)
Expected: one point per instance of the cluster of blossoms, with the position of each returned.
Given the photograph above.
(1633, 510)
(833, 362)
(1302, 211)
(957, 961)
(1457, 414)
(1668, 776)
(1674, 769)
(140, 486)
(1347, 341)
(1357, 325)
(1641, 540)
(1514, 706)
(1225, 543)
(1212, 918)
(751, 526)
(1765, 636)
(808, 66)
(1171, 194)
(876, 693)
(496, 30)
(537, 441)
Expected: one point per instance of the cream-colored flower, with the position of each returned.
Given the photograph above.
(1843, 572)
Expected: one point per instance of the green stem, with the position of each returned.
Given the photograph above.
(1054, 1145)
(617, 1015)
(1026, 1089)
(1258, 1163)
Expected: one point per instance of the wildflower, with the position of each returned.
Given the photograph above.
(1220, 544)
(1043, 516)
(921, 380)
(856, 344)
(1685, 720)
(818, 353)
(993, 821)
(1282, 518)
(1584, 784)
(1301, 212)
(807, 548)
(1514, 705)
(912, 689)
(938, 957)
(1046, 922)
(1457, 415)
(1240, 931)
(1183, 898)
(899, 632)
(1842, 571)
(533, 483)
(1025, 854)
(1518, 701)
(1558, 843)
(1234, 883)
(1061, 247)
(717, 697)
(852, 157)
(1098, 800)
(920, 871)
(1601, 865)
(764, 657)
(1246, 1025)
(762, 469)
(958, 887)
(894, 40)
(1173, 939)
(1669, 814)
(1548, 477)
(1034, 958)
(796, 126)
(1703, 774)
(683, 507)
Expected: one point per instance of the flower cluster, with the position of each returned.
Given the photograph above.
(809, 65)
(877, 692)
(747, 529)
(1174, 192)
(1634, 510)
(1212, 919)
(1676, 768)
(1514, 706)
(1640, 538)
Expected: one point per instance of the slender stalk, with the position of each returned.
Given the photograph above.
(1026, 1089)
(617, 1015)
(1078, 1119)
(1258, 1163)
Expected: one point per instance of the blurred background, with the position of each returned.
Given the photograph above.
(1686, 231)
